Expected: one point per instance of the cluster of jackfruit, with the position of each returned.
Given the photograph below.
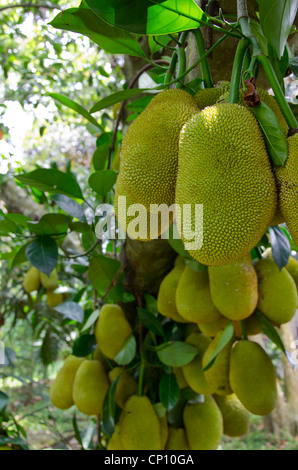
(202, 150)
(35, 279)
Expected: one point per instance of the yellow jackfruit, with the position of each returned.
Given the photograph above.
(61, 388)
(177, 371)
(292, 268)
(111, 330)
(126, 385)
(278, 217)
(54, 299)
(277, 292)
(166, 299)
(236, 418)
(32, 280)
(50, 282)
(234, 288)
(149, 154)
(203, 425)
(164, 430)
(177, 439)
(115, 441)
(211, 329)
(98, 356)
(209, 96)
(90, 387)
(217, 376)
(287, 183)
(252, 377)
(139, 425)
(192, 372)
(224, 166)
(193, 297)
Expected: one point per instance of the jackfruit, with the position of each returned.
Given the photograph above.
(90, 387)
(278, 217)
(61, 389)
(211, 329)
(234, 288)
(31, 280)
(217, 376)
(126, 385)
(166, 299)
(111, 330)
(149, 154)
(98, 356)
(287, 183)
(177, 439)
(252, 377)
(164, 430)
(50, 282)
(224, 166)
(54, 299)
(177, 371)
(252, 326)
(292, 268)
(193, 297)
(139, 425)
(209, 96)
(203, 425)
(192, 372)
(277, 292)
(115, 441)
(236, 418)
(180, 260)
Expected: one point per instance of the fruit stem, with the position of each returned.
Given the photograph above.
(181, 59)
(241, 50)
(205, 69)
(141, 378)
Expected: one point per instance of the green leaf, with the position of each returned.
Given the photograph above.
(140, 104)
(276, 19)
(169, 392)
(84, 21)
(43, 254)
(49, 348)
(281, 248)
(109, 409)
(4, 399)
(269, 330)
(226, 336)
(102, 181)
(195, 265)
(158, 42)
(70, 206)
(177, 243)
(18, 219)
(150, 322)
(276, 142)
(91, 320)
(76, 107)
(50, 224)
(151, 304)
(52, 181)
(79, 227)
(71, 310)
(7, 227)
(294, 65)
(127, 352)
(150, 17)
(115, 98)
(177, 354)
(84, 345)
(101, 273)
(101, 154)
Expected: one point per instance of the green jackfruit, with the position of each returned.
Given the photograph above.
(252, 377)
(126, 385)
(292, 268)
(209, 96)
(203, 425)
(54, 299)
(234, 288)
(277, 292)
(192, 372)
(224, 166)
(90, 387)
(111, 330)
(278, 217)
(217, 376)
(149, 154)
(115, 441)
(32, 280)
(164, 430)
(211, 329)
(50, 282)
(193, 297)
(236, 418)
(61, 388)
(287, 183)
(166, 299)
(139, 425)
(177, 439)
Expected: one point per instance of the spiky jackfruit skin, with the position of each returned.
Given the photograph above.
(236, 417)
(149, 154)
(252, 377)
(177, 439)
(224, 165)
(90, 387)
(139, 425)
(203, 425)
(61, 389)
(166, 299)
(126, 385)
(111, 330)
(287, 183)
(217, 376)
(278, 217)
(192, 372)
(31, 280)
(137, 226)
(193, 297)
(210, 96)
(234, 288)
(292, 268)
(277, 292)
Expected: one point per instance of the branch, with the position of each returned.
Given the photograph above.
(31, 5)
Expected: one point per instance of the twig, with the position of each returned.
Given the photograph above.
(31, 5)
